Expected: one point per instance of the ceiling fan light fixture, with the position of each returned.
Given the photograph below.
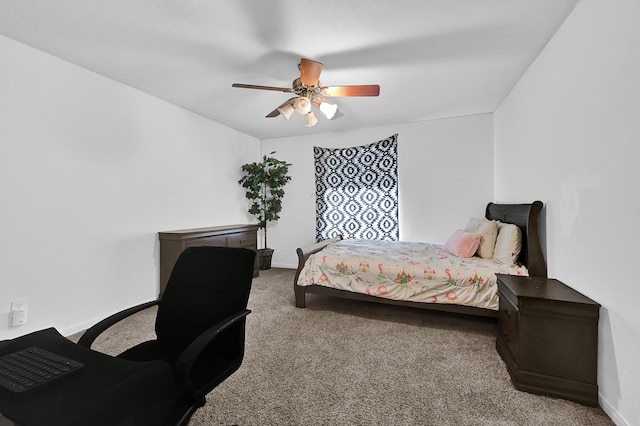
(308, 91)
(329, 110)
(286, 110)
(302, 105)
(310, 119)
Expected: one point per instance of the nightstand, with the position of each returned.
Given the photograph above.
(548, 338)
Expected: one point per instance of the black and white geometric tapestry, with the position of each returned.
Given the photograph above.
(357, 191)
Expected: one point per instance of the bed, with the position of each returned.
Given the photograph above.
(420, 275)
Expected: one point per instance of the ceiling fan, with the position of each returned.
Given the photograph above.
(310, 92)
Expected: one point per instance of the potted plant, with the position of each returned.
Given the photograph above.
(264, 182)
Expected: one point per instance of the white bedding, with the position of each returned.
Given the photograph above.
(419, 272)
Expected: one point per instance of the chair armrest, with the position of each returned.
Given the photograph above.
(93, 332)
(189, 356)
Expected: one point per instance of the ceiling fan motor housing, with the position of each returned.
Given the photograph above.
(301, 89)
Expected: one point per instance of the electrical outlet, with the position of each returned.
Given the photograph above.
(19, 305)
(18, 312)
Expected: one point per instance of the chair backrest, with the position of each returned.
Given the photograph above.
(206, 285)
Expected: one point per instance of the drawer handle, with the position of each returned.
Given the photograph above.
(507, 313)
(506, 338)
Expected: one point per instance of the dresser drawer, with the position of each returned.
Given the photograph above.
(242, 240)
(509, 325)
(208, 242)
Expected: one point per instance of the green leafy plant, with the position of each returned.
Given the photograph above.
(264, 182)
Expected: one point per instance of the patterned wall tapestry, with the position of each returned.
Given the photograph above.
(357, 191)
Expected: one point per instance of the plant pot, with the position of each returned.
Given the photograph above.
(264, 258)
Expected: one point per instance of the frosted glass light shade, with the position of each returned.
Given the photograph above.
(302, 105)
(329, 110)
(287, 110)
(310, 119)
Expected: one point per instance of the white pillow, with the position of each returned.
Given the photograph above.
(489, 231)
(508, 244)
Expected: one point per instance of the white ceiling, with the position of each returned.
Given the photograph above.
(431, 58)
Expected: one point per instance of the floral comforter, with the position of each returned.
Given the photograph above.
(419, 272)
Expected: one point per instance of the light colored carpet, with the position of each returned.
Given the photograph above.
(341, 362)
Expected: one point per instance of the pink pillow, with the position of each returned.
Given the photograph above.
(462, 243)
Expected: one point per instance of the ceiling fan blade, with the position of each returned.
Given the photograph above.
(276, 111)
(364, 90)
(253, 86)
(310, 72)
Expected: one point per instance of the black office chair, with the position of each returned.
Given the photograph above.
(200, 328)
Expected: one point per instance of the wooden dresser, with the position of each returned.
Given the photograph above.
(172, 243)
(548, 338)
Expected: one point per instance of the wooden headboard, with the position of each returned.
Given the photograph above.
(526, 216)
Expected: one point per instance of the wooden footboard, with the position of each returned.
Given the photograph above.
(303, 255)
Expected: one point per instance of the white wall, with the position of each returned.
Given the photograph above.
(90, 171)
(435, 159)
(571, 128)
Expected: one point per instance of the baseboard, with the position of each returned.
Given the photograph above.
(69, 331)
(284, 265)
(611, 412)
